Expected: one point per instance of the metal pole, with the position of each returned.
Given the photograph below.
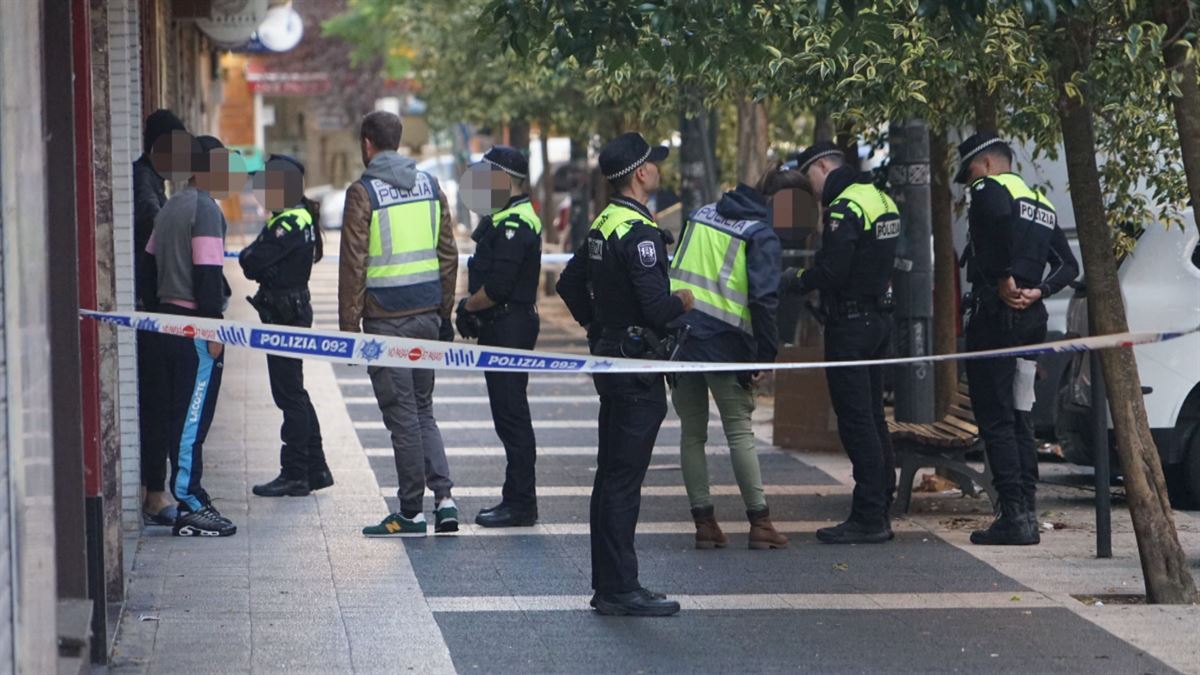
(912, 282)
(1100, 443)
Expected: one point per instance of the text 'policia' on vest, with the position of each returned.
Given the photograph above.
(1033, 221)
(710, 261)
(402, 262)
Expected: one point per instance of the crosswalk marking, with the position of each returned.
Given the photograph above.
(1024, 600)
(565, 451)
(475, 425)
(479, 400)
(647, 491)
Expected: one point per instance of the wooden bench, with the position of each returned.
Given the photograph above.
(941, 445)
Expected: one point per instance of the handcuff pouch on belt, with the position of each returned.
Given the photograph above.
(282, 307)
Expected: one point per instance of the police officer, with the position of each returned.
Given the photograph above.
(501, 311)
(729, 257)
(281, 261)
(852, 272)
(617, 286)
(1014, 234)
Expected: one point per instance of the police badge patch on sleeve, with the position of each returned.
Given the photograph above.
(647, 254)
(509, 233)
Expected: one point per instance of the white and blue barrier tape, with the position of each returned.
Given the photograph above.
(398, 352)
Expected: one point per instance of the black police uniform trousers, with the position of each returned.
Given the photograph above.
(857, 396)
(302, 453)
(1007, 433)
(516, 327)
(632, 408)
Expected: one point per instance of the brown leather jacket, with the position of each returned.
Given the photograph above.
(354, 303)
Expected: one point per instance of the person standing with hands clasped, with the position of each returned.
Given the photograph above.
(396, 277)
(281, 261)
(1014, 235)
(852, 272)
(617, 286)
(501, 311)
(729, 258)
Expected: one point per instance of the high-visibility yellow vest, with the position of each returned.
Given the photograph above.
(402, 247)
(303, 218)
(523, 212)
(877, 210)
(710, 261)
(619, 219)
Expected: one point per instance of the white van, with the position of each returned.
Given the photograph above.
(1160, 283)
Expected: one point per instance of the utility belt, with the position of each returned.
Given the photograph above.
(496, 312)
(287, 307)
(856, 307)
(640, 342)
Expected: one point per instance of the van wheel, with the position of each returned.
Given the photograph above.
(1191, 471)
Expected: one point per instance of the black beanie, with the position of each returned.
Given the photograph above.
(158, 124)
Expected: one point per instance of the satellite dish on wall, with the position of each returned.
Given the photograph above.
(282, 29)
(232, 22)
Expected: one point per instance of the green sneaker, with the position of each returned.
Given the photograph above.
(446, 517)
(396, 525)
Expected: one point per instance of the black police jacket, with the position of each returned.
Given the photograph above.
(282, 256)
(507, 260)
(997, 223)
(622, 280)
(853, 263)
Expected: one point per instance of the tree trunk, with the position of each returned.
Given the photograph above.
(847, 141)
(753, 140)
(697, 161)
(1177, 15)
(1167, 573)
(549, 229)
(518, 135)
(984, 103)
(822, 126)
(945, 271)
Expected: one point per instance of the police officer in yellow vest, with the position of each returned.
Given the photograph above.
(852, 272)
(1014, 236)
(398, 270)
(617, 286)
(500, 310)
(729, 257)
(281, 261)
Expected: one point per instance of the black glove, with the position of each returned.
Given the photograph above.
(446, 331)
(467, 322)
(790, 281)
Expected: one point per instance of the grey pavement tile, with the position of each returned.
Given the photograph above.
(300, 643)
(975, 641)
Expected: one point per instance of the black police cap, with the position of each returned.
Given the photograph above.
(509, 160)
(627, 152)
(970, 148)
(285, 159)
(815, 152)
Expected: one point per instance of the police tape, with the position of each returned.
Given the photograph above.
(547, 258)
(401, 352)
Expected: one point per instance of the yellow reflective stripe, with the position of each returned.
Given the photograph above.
(402, 269)
(615, 218)
(869, 202)
(301, 215)
(715, 304)
(524, 213)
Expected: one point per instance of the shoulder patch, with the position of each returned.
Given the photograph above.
(510, 232)
(647, 253)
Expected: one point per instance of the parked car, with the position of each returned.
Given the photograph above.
(333, 203)
(1051, 367)
(1160, 283)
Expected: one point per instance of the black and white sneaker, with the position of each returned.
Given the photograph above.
(207, 522)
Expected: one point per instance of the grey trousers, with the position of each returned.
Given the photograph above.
(405, 397)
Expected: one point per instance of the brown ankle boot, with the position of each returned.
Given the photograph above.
(762, 533)
(708, 532)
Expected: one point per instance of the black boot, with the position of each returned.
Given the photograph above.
(1011, 528)
(857, 530)
(504, 515)
(1031, 516)
(320, 479)
(283, 487)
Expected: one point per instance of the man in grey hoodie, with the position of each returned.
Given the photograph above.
(397, 276)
